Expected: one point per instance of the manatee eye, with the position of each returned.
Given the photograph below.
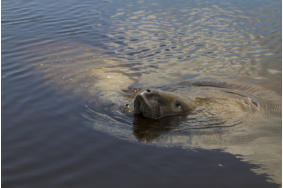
(178, 105)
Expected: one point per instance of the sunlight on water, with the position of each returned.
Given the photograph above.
(95, 54)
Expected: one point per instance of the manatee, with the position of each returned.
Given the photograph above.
(105, 82)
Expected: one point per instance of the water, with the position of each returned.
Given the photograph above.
(68, 66)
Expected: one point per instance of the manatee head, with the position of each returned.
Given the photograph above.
(156, 104)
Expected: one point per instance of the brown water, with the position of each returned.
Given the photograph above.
(68, 67)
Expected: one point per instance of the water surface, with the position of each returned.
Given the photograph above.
(66, 67)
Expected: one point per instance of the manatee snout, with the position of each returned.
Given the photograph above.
(146, 104)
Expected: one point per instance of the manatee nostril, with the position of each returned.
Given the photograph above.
(148, 90)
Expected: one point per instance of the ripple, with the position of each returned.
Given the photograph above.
(66, 59)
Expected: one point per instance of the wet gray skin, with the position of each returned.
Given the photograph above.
(156, 104)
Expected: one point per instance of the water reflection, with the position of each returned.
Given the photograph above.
(249, 142)
(148, 130)
(96, 50)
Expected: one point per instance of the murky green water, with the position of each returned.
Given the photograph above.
(68, 67)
